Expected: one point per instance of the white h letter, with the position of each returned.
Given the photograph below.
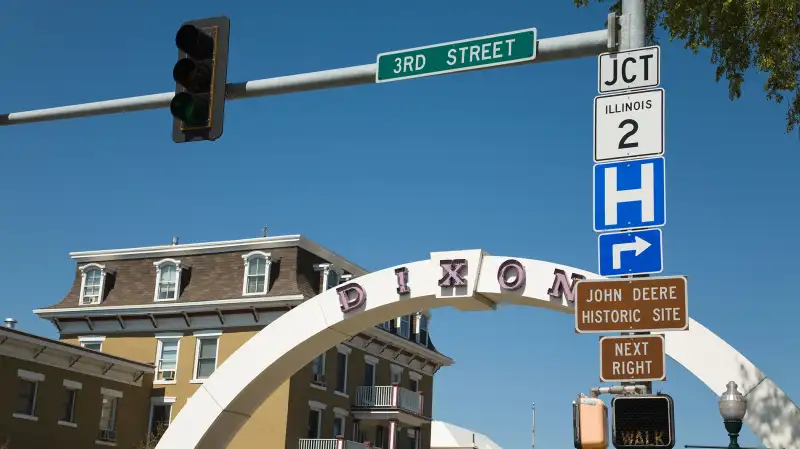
(644, 194)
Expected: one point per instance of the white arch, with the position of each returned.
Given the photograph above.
(224, 402)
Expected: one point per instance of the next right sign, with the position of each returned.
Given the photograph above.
(651, 304)
(630, 358)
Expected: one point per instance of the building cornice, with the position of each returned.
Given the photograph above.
(261, 243)
(45, 351)
(171, 307)
(409, 346)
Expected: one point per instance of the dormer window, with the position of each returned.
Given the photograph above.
(168, 279)
(331, 276)
(93, 281)
(256, 273)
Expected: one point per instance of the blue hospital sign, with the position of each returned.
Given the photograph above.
(630, 195)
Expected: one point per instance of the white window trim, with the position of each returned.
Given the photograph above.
(105, 443)
(343, 419)
(247, 258)
(30, 375)
(413, 375)
(110, 393)
(316, 405)
(342, 349)
(371, 359)
(341, 412)
(326, 269)
(178, 269)
(155, 402)
(160, 341)
(103, 273)
(204, 335)
(72, 385)
(92, 339)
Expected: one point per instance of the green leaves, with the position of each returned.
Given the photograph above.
(742, 34)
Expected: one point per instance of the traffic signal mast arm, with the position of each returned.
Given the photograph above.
(571, 46)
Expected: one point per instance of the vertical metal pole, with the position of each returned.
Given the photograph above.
(634, 25)
(533, 425)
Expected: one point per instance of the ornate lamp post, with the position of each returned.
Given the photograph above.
(732, 407)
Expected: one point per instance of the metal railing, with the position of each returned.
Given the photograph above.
(392, 396)
(331, 443)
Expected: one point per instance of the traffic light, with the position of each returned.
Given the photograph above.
(643, 422)
(198, 108)
(589, 423)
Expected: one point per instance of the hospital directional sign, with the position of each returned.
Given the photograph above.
(630, 195)
(630, 253)
(457, 56)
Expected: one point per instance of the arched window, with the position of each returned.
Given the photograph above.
(256, 273)
(92, 283)
(168, 279)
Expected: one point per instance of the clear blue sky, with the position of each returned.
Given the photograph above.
(515, 143)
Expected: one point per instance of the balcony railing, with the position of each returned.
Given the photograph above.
(392, 396)
(332, 443)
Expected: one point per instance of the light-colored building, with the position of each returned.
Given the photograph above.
(59, 395)
(450, 436)
(186, 307)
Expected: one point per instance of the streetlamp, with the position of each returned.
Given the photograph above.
(732, 407)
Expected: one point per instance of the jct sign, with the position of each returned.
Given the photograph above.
(631, 305)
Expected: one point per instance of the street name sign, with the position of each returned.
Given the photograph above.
(652, 304)
(632, 358)
(630, 253)
(449, 57)
(630, 195)
(629, 125)
(643, 421)
(632, 69)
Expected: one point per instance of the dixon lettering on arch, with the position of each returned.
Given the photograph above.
(511, 275)
(562, 287)
(351, 297)
(402, 280)
(452, 273)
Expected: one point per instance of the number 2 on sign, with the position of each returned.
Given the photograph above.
(623, 143)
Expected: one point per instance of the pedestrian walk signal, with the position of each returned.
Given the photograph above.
(198, 107)
(643, 422)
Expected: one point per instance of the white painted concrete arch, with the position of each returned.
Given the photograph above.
(226, 400)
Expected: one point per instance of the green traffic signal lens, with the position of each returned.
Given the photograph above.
(189, 109)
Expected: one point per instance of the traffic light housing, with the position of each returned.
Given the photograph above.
(589, 423)
(643, 421)
(198, 107)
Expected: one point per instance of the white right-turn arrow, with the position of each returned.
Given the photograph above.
(638, 245)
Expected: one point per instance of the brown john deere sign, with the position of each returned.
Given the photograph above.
(631, 305)
(630, 358)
